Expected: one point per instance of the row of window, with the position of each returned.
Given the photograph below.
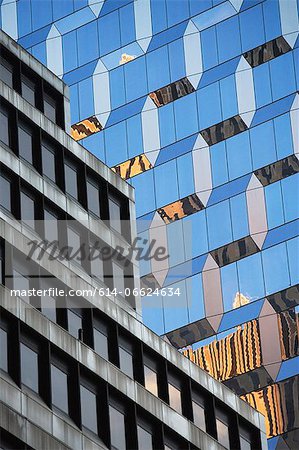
(57, 165)
(33, 89)
(79, 394)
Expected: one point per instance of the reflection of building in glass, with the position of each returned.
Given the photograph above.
(203, 123)
(240, 300)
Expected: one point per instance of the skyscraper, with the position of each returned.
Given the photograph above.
(195, 103)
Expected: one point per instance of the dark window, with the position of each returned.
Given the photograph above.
(74, 320)
(48, 161)
(114, 214)
(93, 198)
(150, 380)
(28, 90)
(27, 210)
(71, 185)
(175, 400)
(117, 429)
(198, 412)
(6, 71)
(48, 302)
(145, 439)
(126, 358)
(74, 242)
(96, 262)
(51, 226)
(89, 409)
(222, 428)
(118, 279)
(49, 107)
(101, 342)
(25, 143)
(29, 367)
(245, 439)
(59, 388)
(5, 193)
(4, 126)
(3, 350)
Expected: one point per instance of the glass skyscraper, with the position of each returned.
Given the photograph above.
(195, 103)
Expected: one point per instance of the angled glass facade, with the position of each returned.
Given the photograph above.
(195, 103)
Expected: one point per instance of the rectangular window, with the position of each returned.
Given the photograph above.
(74, 320)
(29, 367)
(28, 90)
(117, 429)
(48, 307)
(145, 439)
(25, 143)
(89, 409)
(4, 124)
(6, 72)
(101, 343)
(199, 414)
(175, 400)
(150, 380)
(118, 279)
(51, 226)
(126, 361)
(3, 350)
(74, 242)
(115, 214)
(5, 193)
(59, 381)
(50, 107)
(48, 161)
(27, 210)
(222, 428)
(245, 438)
(96, 262)
(93, 198)
(21, 282)
(71, 183)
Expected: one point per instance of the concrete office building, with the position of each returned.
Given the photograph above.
(85, 373)
(195, 103)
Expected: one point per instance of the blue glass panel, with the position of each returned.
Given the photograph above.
(296, 64)
(199, 234)
(230, 285)
(86, 109)
(263, 145)
(228, 38)
(127, 24)
(88, 49)
(241, 315)
(176, 12)
(262, 85)
(272, 110)
(249, 4)
(274, 206)
(197, 7)
(169, 35)
(74, 99)
(229, 189)
(221, 71)
(209, 107)
(290, 189)
(177, 148)
(40, 53)
(109, 32)
(185, 269)
(271, 19)
(282, 76)
(157, 65)
(195, 298)
(214, 15)
(166, 183)
(153, 314)
(238, 207)
(229, 101)
(283, 136)
(251, 277)
(175, 243)
(78, 4)
(134, 132)
(219, 163)
(252, 28)
(74, 21)
(272, 443)
(62, 8)
(167, 132)
(144, 222)
(176, 308)
(293, 252)
(276, 270)
(129, 109)
(176, 60)
(186, 124)
(288, 369)
(144, 193)
(111, 5)
(117, 87)
(24, 17)
(209, 48)
(116, 138)
(95, 144)
(69, 49)
(144, 263)
(217, 214)
(35, 38)
(79, 74)
(41, 16)
(186, 183)
(282, 233)
(238, 155)
(159, 18)
(135, 79)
